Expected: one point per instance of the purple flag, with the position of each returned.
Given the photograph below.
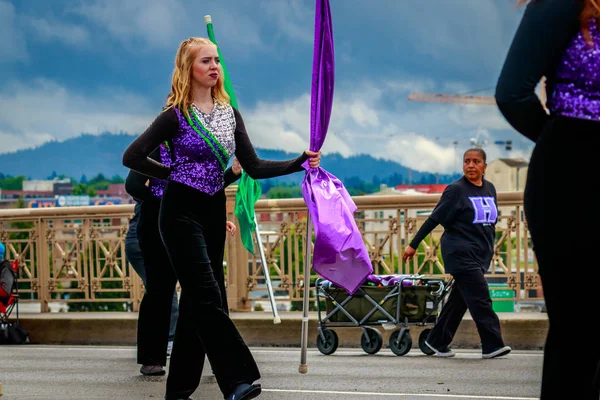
(340, 255)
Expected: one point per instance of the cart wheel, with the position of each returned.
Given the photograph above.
(403, 346)
(330, 344)
(374, 342)
(422, 337)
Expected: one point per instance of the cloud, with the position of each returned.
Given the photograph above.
(291, 18)
(163, 24)
(152, 22)
(17, 141)
(48, 29)
(43, 110)
(459, 36)
(420, 136)
(13, 46)
(425, 137)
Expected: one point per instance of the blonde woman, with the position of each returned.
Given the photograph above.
(560, 39)
(202, 131)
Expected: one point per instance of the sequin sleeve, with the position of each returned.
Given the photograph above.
(136, 156)
(256, 167)
(541, 38)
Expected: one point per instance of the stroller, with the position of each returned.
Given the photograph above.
(10, 332)
(392, 301)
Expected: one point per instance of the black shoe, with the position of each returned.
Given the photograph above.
(152, 370)
(245, 392)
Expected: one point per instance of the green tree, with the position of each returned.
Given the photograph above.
(80, 189)
(12, 183)
(97, 179)
(284, 192)
(117, 179)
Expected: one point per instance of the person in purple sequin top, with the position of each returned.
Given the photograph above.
(560, 39)
(203, 132)
(147, 254)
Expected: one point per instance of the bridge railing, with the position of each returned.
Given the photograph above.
(76, 255)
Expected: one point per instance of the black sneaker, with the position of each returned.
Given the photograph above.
(497, 353)
(445, 352)
(152, 370)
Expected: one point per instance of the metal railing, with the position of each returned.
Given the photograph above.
(76, 255)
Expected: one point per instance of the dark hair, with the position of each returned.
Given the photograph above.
(478, 150)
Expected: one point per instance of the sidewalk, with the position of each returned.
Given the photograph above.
(521, 330)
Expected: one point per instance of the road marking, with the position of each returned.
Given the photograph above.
(413, 353)
(466, 353)
(447, 396)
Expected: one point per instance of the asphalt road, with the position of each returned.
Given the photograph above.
(32, 372)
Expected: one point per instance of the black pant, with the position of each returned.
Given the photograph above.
(470, 291)
(557, 217)
(156, 308)
(192, 226)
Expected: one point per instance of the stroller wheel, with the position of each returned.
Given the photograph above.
(328, 345)
(402, 346)
(422, 337)
(371, 340)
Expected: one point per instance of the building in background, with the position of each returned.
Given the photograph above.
(59, 193)
(507, 174)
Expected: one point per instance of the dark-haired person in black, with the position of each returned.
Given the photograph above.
(158, 314)
(468, 212)
(560, 40)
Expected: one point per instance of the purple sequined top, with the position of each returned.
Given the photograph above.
(194, 162)
(157, 186)
(577, 82)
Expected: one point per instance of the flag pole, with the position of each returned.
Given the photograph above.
(265, 267)
(233, 101)
(303, 368)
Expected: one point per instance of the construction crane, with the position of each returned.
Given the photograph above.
(469, 99)
(452, 98)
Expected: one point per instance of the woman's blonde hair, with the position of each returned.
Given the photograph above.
(181, 86)
(591, 8)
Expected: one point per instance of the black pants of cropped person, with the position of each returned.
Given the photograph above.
(558, 195)
(192, 226)
(158, 305)
(470, 291)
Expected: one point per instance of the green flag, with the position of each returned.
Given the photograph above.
(228, 87)
(249, 190)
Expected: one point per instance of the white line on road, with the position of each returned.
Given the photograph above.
(447, 396)
(467, 353)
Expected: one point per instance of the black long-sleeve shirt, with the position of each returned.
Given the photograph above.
(166, 126)
(135, 183)
(545, 30)
(468, 214)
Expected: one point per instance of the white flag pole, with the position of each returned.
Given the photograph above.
(303, 368)
(265, 268)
